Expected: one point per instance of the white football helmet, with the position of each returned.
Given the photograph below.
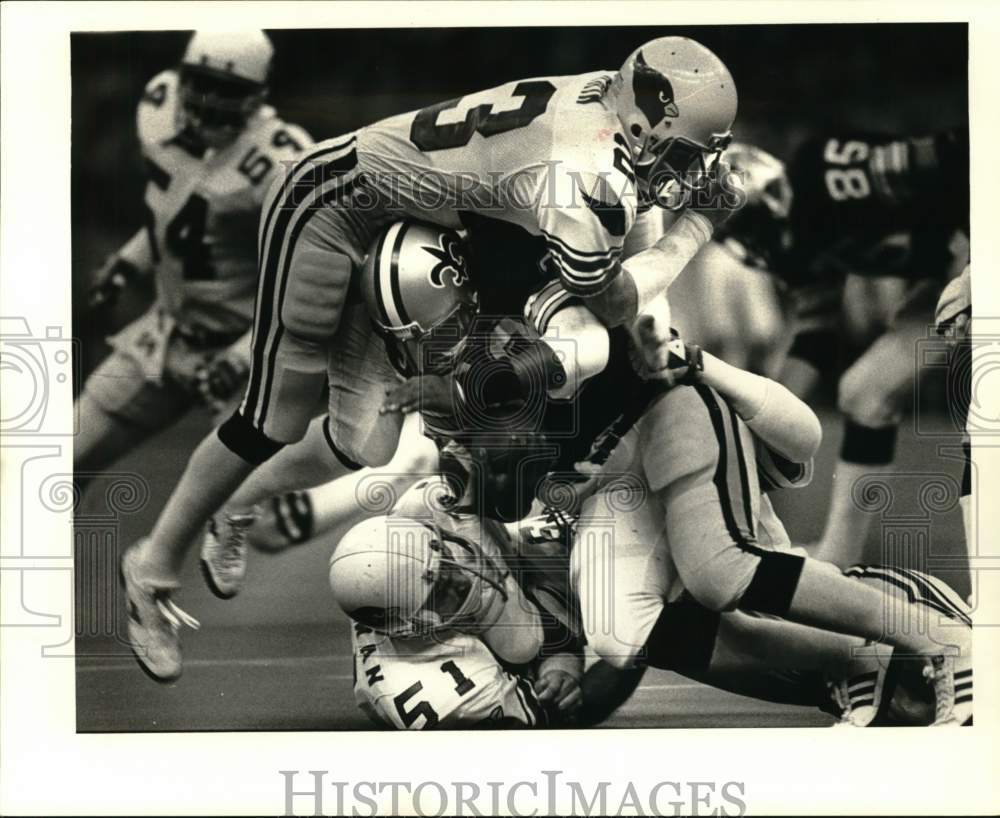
(676, 101)
(759, 233)
(406, 577)
(416, 286)
(223, 81)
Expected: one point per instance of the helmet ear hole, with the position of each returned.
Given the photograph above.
(636, 130)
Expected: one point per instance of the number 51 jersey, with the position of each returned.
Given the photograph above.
(452, 682)
(203, 207)
(545, 154)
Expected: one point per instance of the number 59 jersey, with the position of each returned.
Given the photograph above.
(455, 682)
(203, 206)
(545, 154)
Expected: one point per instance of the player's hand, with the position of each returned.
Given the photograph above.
(220, 378)
(957, 330)
(716, 202)
(560, 689)
(430, 392)
(109, 281)
(664, 356)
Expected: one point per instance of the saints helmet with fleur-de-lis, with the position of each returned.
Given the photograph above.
(417, 290)
(676, 101)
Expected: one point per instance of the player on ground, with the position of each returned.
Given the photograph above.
(864, 231)
(211, 148)
(706, 539)
(452, 627)
(694, 457)
(566, 160)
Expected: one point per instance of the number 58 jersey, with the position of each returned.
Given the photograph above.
(202, 207)
(421, 684)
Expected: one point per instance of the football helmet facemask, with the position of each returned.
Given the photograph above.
(416, 286)
(223, 82)
(676, 101)
(405, 578)
(759, 234)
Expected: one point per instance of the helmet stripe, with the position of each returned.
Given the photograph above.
(383, 271)
(377, 278)
(394, 274)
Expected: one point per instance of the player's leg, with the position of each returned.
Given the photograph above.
(125, 400)
(295, 517)
(353, 433)
(703, 470)
(619, 566)
(872, 397)
(303, 283)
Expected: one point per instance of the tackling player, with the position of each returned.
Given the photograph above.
(211, 149)
(565, 161)
(863, 231)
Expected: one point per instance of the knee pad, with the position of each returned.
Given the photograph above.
(243, 439)
(868, 446)
(317, 288)
(774, 583)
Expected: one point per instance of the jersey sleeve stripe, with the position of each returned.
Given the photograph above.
(293, 205)
(292, 179)
(581, 254)
(585, 269)
(725, 476)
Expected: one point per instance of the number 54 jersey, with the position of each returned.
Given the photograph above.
(547, 155)
(453, 682)
(203, 207)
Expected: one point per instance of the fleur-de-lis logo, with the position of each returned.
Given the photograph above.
(451, 261)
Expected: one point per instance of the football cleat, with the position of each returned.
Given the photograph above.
(951, 677)
(154, 620)
(858, 698)
(224, 553)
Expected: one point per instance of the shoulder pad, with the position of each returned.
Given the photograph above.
(155, 115)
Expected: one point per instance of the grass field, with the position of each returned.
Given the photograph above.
(277, 657)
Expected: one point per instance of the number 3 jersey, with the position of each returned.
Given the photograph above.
(203, 208)
(546, 155)
(420, 684)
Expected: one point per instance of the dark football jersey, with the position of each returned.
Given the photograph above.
(875, 205)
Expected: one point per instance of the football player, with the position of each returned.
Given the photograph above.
(953, 320)
(699, 535)
(568, 161)
(451, 627)
(864, 232)
(211, 147)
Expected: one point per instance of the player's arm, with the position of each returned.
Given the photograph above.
(782, 421)
(648, 273)
(132, 260)
(219, 378)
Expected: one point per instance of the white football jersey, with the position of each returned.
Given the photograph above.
(419, 684)
(203, 207)
(546, 154)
